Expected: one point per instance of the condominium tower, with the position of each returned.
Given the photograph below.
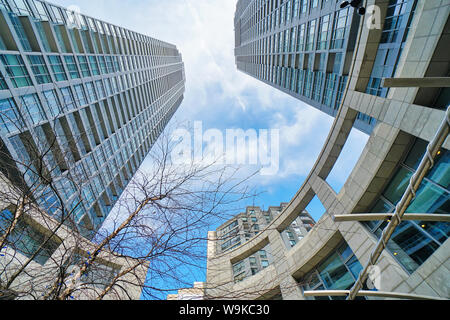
(245, 226)
(301, 47)
(86, 97)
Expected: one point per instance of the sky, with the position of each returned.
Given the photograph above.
(224, 98)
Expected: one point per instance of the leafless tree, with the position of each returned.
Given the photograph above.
(157, 230)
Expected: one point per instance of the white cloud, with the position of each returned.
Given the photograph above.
(203, 31)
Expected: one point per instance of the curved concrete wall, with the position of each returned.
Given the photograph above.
(399, 121)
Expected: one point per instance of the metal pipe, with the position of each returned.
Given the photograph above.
(388, 216)
(367, 293)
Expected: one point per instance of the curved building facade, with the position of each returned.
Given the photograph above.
(398, 76)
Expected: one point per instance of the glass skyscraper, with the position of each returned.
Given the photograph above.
(302, 47)
(86, 97)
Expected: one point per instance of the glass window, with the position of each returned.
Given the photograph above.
(39, 69)
(69, 102)
(52, 102)
(81, 95)
(41, 10)
(94, 65)
(340, 93)
(18, 27)
(103, 66)
(340, 29)
(335, 275)
(314, 3)
(60, 39)
(3, 85)
(430, 198)
(323, 32)
(22, 8)
(397, 187)
(72, 67)
(304, 6)
(414, 242)
(100, 89)
(440, 173)
(42, 36)
(310, 35)
(354, 266)
(2, 44)
(76, 48)
(109, 64)
(32, 108)
(295, 8)
(84, 38)
(330, 85)
(17, 72)
(91, 92)
(27, 239)
(339, 271)
(84, 66)
(57, 68)
(10, 118)
(5, 5)
(411, 247)
(58, 18)
(23, 156)
(396, 18)
(395, 31)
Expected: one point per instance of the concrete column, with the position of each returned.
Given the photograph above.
(290, 289)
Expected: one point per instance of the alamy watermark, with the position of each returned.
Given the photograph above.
(373, 15)
(232, 147)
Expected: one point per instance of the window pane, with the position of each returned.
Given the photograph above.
(68, 99)
(26, 239)
(335, 275)
(72, 67)
(398, 186)
(10, 119)
(441, 170)
(57, 68)
(52, 102)
(416, 154)
(39, 69)
(354, 266)
(32, 108)
(410, 247)
(16, 70)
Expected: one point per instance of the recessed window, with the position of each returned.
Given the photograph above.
(39, 69)
(72, 67)
(17, 72)
(32, 108)
(27, 238)
(10, 118)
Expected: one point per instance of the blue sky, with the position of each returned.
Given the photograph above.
(222, 97)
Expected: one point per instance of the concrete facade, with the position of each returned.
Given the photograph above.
(66, 251)
(197, 292)
(405, 116)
